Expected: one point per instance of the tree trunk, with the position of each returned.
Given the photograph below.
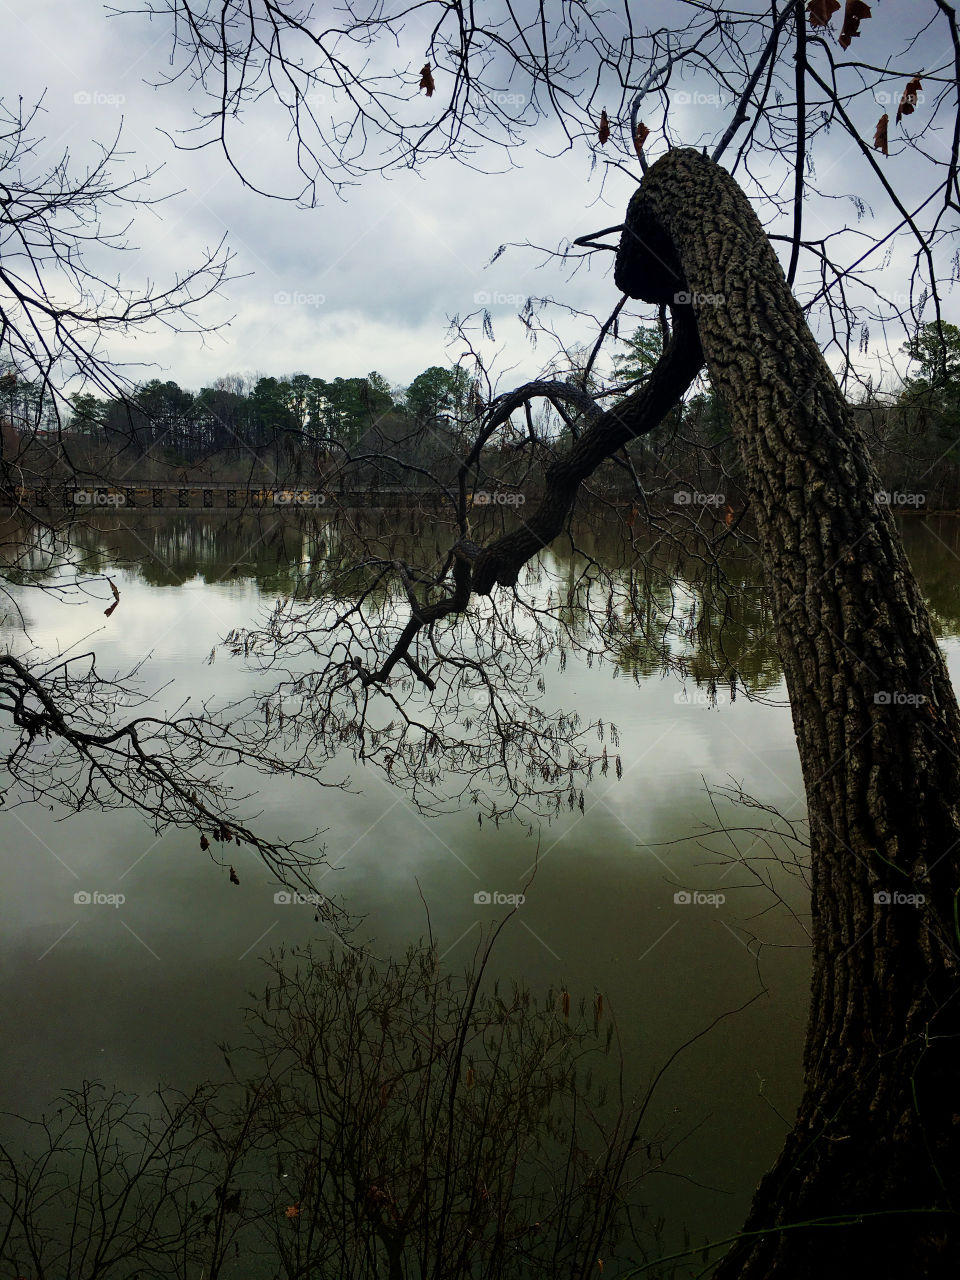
(869, 1180)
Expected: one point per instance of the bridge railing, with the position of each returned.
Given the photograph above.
(105, 496)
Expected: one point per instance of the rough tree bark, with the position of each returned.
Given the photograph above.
(875, 1150)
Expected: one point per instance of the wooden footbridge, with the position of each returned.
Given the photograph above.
(202, 496)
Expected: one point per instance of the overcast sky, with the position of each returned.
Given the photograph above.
(370, 282)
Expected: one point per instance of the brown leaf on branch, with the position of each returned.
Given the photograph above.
(604, 131)
(821, 11)
(853, 15)
(880, 137)
(204, 842)
(642, 134)
(909, 99)
(234, 878)
(426, 79)
(116, 593)
(292, 1210)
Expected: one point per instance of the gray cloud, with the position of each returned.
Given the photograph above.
(398, 256)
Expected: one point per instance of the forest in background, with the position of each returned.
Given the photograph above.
(361, 432)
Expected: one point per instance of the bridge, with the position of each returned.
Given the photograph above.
(201, 496)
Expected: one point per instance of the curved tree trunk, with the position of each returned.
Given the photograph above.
(875, 1151)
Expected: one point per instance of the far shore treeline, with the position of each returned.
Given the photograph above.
(360, 431)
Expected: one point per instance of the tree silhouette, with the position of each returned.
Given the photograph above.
(869, 1174)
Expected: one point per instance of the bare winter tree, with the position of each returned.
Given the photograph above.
(379, 1118)
(72, 733)
(869, 1174)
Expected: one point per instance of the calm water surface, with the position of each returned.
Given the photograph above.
(141, 994)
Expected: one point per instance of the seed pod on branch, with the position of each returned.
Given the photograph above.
(821, 11)
(853, 15)
(908, 100)
(880, 137)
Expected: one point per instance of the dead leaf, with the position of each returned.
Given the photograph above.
(603, 133)
(565, 1002)
(116, 593)
(642, 134)
(821, 11)
(880, 137)
(234, 878)
(909, 99)
(853, 15)
(426, 79)
(728, 515)
(204, 842)
(292, 1210)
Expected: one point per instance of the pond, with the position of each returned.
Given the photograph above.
(633, 896)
